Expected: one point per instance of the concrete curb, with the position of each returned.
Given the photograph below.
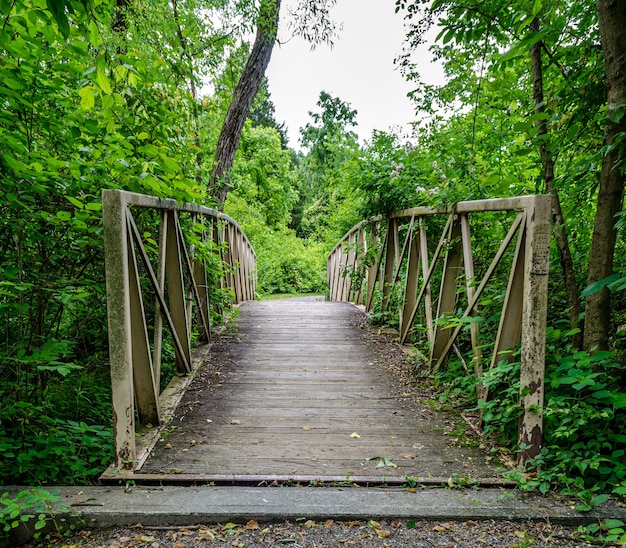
(100, 507)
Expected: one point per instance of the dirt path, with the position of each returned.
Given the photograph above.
(331, 534)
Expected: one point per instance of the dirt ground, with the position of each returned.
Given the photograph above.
(329, 534)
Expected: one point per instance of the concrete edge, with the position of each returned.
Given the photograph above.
(118, 506)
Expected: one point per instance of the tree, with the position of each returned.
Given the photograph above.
(330, 145)
(245, 92)
(612, 22)
(547, 165)
(313, 23)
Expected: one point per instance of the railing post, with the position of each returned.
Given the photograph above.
(391, 253)
(118, 309)
(534, 316)
(447, 293)
(176, 291)
(411, 281)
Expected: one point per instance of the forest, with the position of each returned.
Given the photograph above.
(170, 99)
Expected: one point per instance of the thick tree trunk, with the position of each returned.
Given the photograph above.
(612, 20)
(245, 92)
(572, 293)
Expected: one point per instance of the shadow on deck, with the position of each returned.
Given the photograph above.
(299, 391)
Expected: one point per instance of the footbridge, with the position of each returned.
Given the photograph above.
(303, 390)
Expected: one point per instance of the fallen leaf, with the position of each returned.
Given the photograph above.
(310, 524)
(383, 534)
(307, 428)
(167, 446)
(355, 435)
(374, 525)
(147, 538)
(205, 534)
(179, 545)
(175, 471)
(235, 422)
(354, 523)
(252, 525)
(409, 457)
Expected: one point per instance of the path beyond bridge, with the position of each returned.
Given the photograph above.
(299, 390)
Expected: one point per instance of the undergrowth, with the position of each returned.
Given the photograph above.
(584, 441)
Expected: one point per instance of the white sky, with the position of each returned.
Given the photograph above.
(359, 70)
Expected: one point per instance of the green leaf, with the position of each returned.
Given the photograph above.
(595, 287)
(87, 100)
(103, 82)
(613, 523)
(75, 202)
(600, 499)
(5, 7)
(57, 8)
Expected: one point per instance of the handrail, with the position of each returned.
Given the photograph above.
(360, 261)
(179, 282)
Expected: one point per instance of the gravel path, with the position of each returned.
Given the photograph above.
(329, 534)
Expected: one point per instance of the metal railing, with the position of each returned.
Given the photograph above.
(152, 284)
(359, 263)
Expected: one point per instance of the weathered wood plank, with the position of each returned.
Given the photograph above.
(296, 400)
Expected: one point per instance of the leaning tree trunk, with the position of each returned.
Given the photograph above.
(572, 294)
(612, 20)
(245, 92)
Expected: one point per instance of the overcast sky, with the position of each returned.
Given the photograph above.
(359, 69)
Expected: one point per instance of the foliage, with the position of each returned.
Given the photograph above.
(285, 263)
(26, 506)
(101, 99)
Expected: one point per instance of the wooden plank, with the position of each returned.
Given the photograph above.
(468, 265)
(176, 293)
(267, 407)
(145, 384)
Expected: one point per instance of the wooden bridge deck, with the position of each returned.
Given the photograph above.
(299, 392)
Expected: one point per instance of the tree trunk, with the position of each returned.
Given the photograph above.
(245, 92)
(612, 20)
(572, 294)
